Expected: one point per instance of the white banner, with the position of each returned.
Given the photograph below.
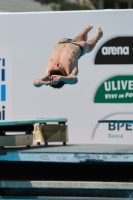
(105, 86)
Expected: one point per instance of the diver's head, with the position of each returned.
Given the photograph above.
(57, 69)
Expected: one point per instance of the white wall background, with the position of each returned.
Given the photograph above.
(32, 37)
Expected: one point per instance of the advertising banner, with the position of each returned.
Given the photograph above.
(105, 81)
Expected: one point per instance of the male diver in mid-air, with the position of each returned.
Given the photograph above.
(62, 67)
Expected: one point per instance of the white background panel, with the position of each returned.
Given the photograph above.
(32, 37)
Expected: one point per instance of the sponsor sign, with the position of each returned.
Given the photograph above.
(115, 131)
(118, 50)
(118, 89)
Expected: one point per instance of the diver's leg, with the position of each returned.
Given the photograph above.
(89, 45)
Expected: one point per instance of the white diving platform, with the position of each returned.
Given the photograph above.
(37, 130)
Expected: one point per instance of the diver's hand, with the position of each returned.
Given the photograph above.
(46, 78)
(55, 79)
(39, 82)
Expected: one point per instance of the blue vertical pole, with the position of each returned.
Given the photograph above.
(3, 62)
(3, 92)
(2, 74)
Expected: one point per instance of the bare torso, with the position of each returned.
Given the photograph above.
(67, 55)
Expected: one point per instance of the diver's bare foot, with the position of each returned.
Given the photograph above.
(83, 35)
(87, 29)
(99, 33)
(85, 32)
